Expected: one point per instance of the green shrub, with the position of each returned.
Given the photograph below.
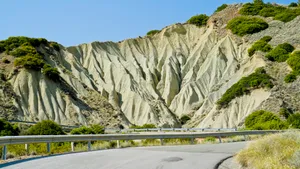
(294, 120)
(251, 9)
(260, 45)
(23, 51)
(221, 8)
(55, 45)
(294, 62)
(263, 120)
(93, 129)
(271, 11)
(284, 112)
(198, 20)
(280, 53)
(7, 129)
(290, 77)
(152, 32)
(29, 62)
(258, 79)
(51, 73)
(293, 4)
(184, 119)
(287, 15)
(246, 25)
(145, 126)
(210, 139)
(45, 127)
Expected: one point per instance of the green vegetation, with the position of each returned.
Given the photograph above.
(184, 119)
(293, 4)
(7, 129)
(51, 72)
(25, 49)
(263, 120)
(294, 120)
(284, 112)
(258, 79)
(152, 32)
(145, 126)
(280, 53)
(210, 139)
(261, 45)
(294, 62)
(246, 25)
(281, 13)
(45, 127)
(221, 8)
(93, 129)
(5, 60)
(198, 20)
(272, 151)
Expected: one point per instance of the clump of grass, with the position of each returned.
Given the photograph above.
(210, 140)
(261, 45)
(258, 79)
(272, 151)
(246, 25)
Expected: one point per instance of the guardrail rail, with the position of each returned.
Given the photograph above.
(48, 139)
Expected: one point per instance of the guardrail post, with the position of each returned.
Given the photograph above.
(4, 152)
(220, 139)
(48, 147)
(89, 145)
(192, 140)
(27, 149)
(161, 141)
(118, 143)
(72, 146)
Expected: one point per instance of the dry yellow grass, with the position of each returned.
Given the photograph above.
(278, 151)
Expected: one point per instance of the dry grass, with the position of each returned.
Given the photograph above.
(278, 151)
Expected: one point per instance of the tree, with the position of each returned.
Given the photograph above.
(45, 127)
(7, 129)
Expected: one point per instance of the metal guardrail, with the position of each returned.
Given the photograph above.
(7, 140)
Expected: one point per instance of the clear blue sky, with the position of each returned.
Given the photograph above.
(72, 22)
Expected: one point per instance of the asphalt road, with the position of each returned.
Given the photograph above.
(204, 156)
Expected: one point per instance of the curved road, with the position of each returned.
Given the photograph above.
(203, 156)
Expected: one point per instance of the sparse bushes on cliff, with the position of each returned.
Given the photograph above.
(280, 53)
(29, 62)
(7, 129)
(198, 20)
(221, 8)
(294, 63)
(152, 32)
(263, 120)
(145, 126)
(268, 10)
(93, 129)
(45, 127)
(261, 45)
(258, 79)
(246, 25)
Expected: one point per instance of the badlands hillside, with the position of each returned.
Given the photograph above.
(180, 71)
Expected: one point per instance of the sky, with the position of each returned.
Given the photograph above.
(73, 22)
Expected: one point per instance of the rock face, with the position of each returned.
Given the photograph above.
(183, 70)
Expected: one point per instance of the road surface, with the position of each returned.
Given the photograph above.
(203, 156)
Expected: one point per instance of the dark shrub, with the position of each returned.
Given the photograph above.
(261, 45)
(93, 129)
(258, 79)
(23, 51)
(145, 126)
(263, 120)
(184, 119)
(7, 129)
(251, 9)
(152, 32)
(287, 15)
(294, 120)
(221, 8)
(198, 20)
(280, 53)
(284, 112)
(293, 4)
(5, 60)
(246, 25)
(55, 45)
(290, 77)
(51, 73)
(45, 127)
